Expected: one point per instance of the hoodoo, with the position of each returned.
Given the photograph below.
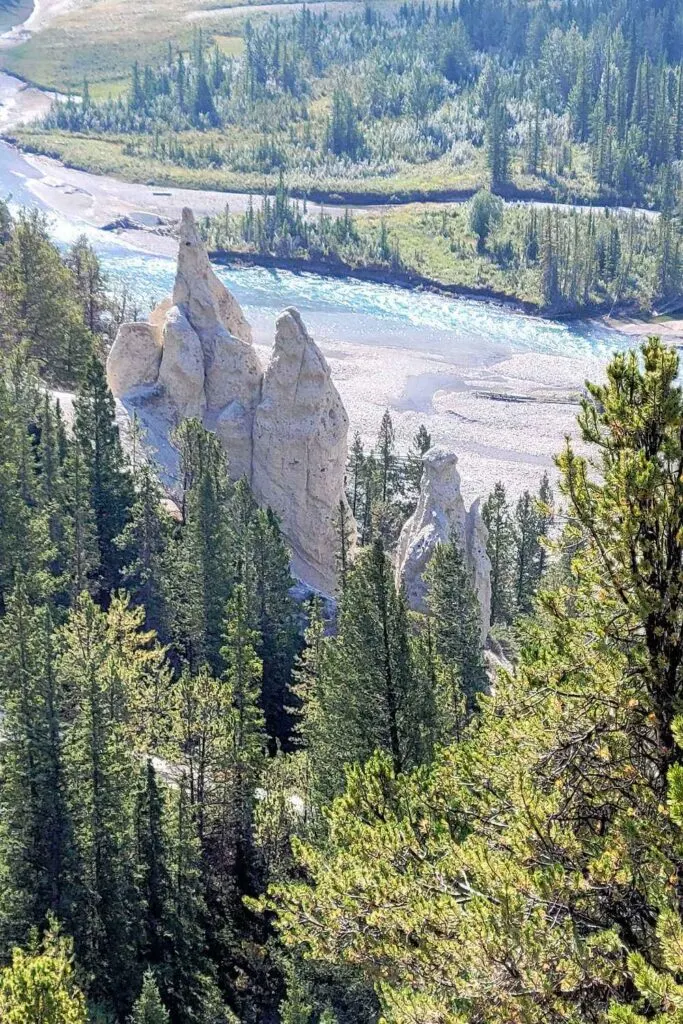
(285, 430)
(441, 515)
(300, 448)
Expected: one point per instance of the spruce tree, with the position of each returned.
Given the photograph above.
(367, 696)
(148, 1008)
(100, 776)
(455, 619)
(501, 551)
(243, 674)
(275, 618)
(355, 475)
(201, 569)
(154, 877)
(528, 557)
(110, 484)
(144, 542)
(34, 821)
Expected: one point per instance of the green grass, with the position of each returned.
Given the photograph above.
(105, 155)
(435, 241)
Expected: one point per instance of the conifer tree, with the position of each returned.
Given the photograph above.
(154, 875)
(109, 481)
(367, 696)
(344, 529)
(242, 677)
(562, 807)
(81, 551)
(421, 444)
(100, 776)
(528, 557)
(39, 304)
(501, 551)
(497, 144)
(89, 281)
(297, 1007)
(355, 475)
(386, 458)
(148, 1008)
(39, 986)
(34, 822)
(202, 567)
(455, 619)
(274, 620)
(144, 542)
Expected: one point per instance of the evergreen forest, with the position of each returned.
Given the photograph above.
(580, 99)
(223, 800)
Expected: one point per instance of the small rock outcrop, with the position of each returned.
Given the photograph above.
(285, 430)
(134, 358)
(441, 514)
(300, 447)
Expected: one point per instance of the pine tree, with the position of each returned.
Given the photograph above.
(39, 303)
(274, 617)
(574, 760)
(367, 696)
(355, 475)
(297, 1008)
(528, 560)
(310, 691)
(39, 987)
(154, 877)
(497, 144)
(201, 572)
(89, 281)
(144, 542)
(421, 444)
(386, 457)
(23, 536)
(242, 677)
(81, 551)
(345, 531)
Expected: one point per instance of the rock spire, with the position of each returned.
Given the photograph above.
(440, 515)
(284, 429)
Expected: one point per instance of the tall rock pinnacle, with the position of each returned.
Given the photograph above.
(285, 430)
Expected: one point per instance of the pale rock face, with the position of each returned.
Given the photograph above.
(181, 374)
(231, 371)
(300, 448)
(134, 358)
(197, 287)
(476, 536)
(439, 515)
(285, 430)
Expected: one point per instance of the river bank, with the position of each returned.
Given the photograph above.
(607, 313)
